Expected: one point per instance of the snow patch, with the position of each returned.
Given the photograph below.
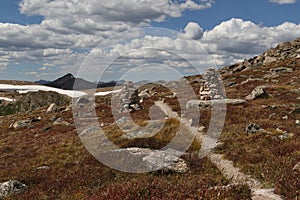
(34, 88)
(7, 99)
(106, 93)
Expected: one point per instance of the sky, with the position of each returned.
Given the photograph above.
(137, 39)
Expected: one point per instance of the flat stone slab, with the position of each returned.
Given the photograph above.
(137, 160)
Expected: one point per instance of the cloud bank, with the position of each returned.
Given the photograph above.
(71, 28)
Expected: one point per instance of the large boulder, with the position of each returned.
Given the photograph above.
(146, 160)
(10, 188)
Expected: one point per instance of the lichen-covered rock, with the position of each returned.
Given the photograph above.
(146, 160)
(258, 92)
(60, 121)
(20, 124)
(10, 188)
(253, 128)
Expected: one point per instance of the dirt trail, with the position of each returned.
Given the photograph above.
(226, 166)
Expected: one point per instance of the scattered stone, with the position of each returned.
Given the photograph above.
(43, 168)
(36, 119)
(298, 122)
(231, 84)
(272, 116)
(67, 109)
(201, 128)
(60, 121)
(253, 128)
(10, 188)
(284, 136)
(251, 80)
(47, 128)
(52, 108)
(282, 69)
(285, 117)
(296, 168)
(53, 118)
(295, 111)
(145, 94)
(258, 92)
(271, 76)
(20, 124)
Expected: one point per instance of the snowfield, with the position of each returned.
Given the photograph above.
(34, 88)
(23, 89)
(7, 99)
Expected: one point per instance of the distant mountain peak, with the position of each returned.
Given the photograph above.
(68, 75)
(67, 82)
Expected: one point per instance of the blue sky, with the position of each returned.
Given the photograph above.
(42, 39)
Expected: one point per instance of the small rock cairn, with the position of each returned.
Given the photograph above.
(130, 100)
(210, 87)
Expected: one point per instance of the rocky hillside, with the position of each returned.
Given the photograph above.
(286, 50)
(257, 155)
(32, 101)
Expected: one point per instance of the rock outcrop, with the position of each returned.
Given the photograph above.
(281, 51)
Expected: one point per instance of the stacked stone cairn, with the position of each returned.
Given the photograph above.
(210, 87)
(130, 100)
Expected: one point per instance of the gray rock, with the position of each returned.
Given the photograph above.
(165, 161)
(296, 168)
(43, 168)
(258, 92)
(284, 136)
(282, 69)
(295, 111)
(20, 124)
(144, 94)
(10, 188)
(60, 121)
(144, 159)
(201, 128)
(231, 84)
(253, 128)
(52, 108)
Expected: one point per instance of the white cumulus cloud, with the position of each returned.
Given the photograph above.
(283, 1)
(193, 30)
